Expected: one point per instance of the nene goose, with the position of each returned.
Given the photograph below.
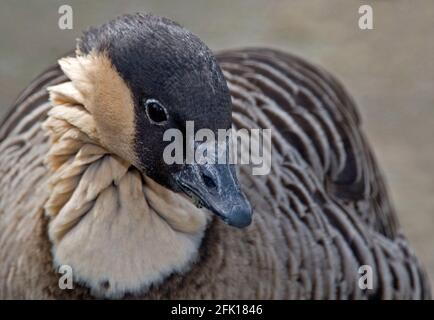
(83, 184)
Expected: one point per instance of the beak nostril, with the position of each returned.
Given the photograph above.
(208, 181)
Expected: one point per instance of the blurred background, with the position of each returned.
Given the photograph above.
(388, 70)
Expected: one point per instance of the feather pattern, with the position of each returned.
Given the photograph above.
(323, 211)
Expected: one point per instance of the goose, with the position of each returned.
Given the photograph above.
(83, 182)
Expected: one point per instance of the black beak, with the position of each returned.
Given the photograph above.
(216, 187)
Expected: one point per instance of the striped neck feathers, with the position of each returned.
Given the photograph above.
(117, 229)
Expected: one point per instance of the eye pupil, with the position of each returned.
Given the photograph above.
(155, 111)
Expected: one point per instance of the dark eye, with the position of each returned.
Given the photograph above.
(156, 113)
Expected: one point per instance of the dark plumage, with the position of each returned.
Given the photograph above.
(321, 213)
(159, 59)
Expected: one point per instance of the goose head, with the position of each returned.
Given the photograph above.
(144, 76)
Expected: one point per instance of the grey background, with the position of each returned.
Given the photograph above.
(389, 70)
